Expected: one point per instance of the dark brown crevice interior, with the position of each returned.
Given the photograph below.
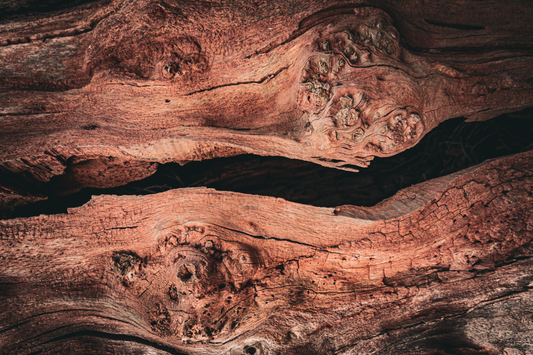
(12, 10)
(452, 146)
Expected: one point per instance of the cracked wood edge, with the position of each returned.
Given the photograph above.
(200, 271)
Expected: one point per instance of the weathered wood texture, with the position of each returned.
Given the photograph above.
(443, 267)
(97, 93)
(100, 92)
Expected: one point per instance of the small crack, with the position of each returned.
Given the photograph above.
(31, 114)
(101, 335)
(69, 32)
(260, 81)
(231, 308)
(132, 227)
(81, 29)
(497, 299)
(135, 85)
(263, 237)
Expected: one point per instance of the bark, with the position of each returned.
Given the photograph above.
(100, 92)
(442, 267)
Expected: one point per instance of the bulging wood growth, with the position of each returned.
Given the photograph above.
(100, 93)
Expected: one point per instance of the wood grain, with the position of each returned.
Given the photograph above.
(441, 267)
(335, 83)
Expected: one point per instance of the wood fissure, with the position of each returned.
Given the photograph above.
(334, 85)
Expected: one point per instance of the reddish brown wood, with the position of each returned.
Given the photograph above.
(96, 94)
(442, 267)
(327, 82)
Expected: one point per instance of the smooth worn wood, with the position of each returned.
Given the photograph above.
(120, 85)
(443, 267)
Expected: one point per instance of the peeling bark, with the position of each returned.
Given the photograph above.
(442, 267)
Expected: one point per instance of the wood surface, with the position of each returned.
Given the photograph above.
(103, 91)
(442, 267)
(100, 93)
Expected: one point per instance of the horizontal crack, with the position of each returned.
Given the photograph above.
(111, 336)
(30, 113)
(261, 81)
(132, 227)
(263, 237)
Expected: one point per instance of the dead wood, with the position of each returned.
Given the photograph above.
(98, 93)
(120, 85)
(442, 267)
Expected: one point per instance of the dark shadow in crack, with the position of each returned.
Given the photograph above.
(452, 146)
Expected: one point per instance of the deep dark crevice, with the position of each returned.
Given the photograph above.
(11, 10)
(452, 146)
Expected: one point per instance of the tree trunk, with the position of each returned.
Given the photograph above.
(442, 267)
(99, 93)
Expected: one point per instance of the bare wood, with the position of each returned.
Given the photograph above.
(327, 82)
(98, 94)
(443, 266)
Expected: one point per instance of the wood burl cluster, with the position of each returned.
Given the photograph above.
(197, 285)
(364, 95)
(151, 47)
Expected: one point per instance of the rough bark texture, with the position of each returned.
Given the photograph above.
(118, 86)
(442, 267)
(99, 93)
